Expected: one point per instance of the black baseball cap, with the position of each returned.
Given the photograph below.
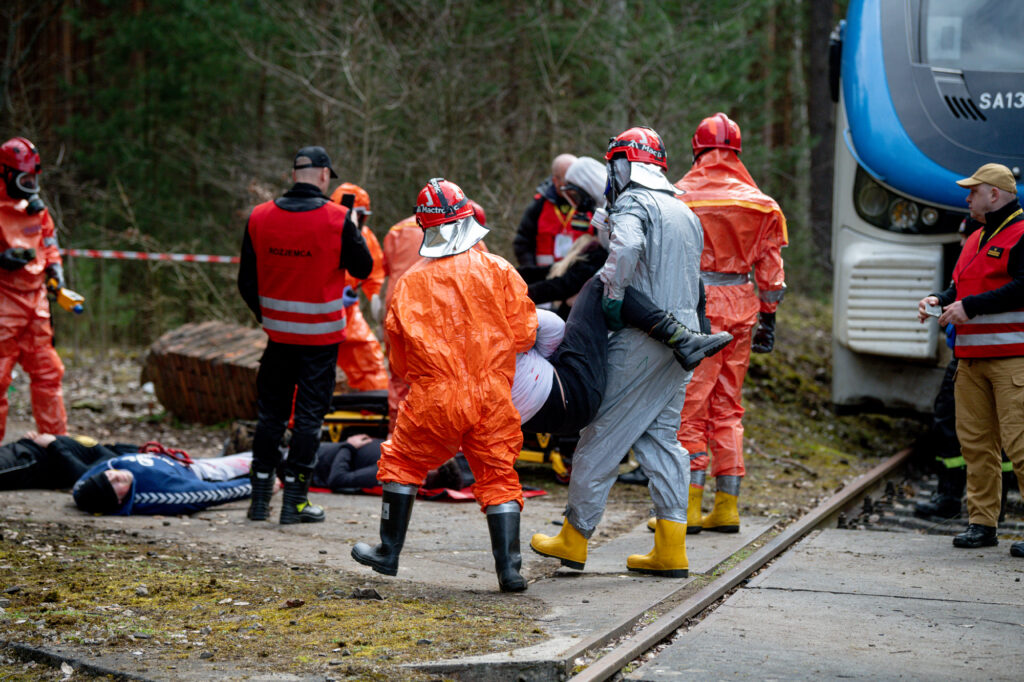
(313, 157)
(96, 495)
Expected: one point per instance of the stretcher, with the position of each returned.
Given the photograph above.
(367, 412)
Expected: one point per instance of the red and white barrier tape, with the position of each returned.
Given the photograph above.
(141, 255)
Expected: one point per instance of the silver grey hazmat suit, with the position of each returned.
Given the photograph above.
(656, 244)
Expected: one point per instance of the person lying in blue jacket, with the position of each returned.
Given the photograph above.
(162, 483)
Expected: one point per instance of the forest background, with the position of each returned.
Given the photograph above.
(161, 123)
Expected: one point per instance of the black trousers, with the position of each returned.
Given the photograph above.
(287, 370)
(341, 467)
(581, 360)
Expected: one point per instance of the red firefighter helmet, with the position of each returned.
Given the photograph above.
(718, 131)
(362, 203)
(20, 154)
(640, 145)
(479, 213)
(440, 202)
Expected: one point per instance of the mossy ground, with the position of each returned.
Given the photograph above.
(164, 603)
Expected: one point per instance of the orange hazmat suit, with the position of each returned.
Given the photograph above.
(453, 327)
(401, 252)
(26, 334)
(360, 355)
(743, 229)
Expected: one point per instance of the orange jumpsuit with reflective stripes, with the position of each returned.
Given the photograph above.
(26, 334)
(360, 355)
(743, 229)
(454, 327)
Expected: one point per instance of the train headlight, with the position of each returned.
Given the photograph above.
(903, 214)
(872, 199)
(929, 216)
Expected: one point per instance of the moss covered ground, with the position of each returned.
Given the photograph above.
(166, 605)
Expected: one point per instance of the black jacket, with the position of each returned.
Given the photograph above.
(23, 464)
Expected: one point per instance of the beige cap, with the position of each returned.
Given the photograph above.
(995, 174)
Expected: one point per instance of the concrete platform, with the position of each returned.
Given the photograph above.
(588, 608)
(863, 605)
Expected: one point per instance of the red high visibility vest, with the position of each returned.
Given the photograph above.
(552, 223)
(978, 270)
(299, 275)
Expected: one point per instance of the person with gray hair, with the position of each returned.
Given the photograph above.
(551, 223)
(558, 284)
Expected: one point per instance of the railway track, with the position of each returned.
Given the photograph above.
(645, 638)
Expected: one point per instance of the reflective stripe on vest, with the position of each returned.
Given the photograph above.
(284, 306)
(305, 328)
(298, 263)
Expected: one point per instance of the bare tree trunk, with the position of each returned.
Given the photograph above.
(821, 124)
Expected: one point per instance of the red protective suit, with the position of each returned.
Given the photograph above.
(454, 327)
(401, 252)
(360, 355)
(743, 229)
(26, 335)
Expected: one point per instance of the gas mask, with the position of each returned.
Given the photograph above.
(618, 178)
(21, 185)
(580, 200)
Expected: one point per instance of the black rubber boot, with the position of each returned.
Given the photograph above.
(689, 347)
(1017, 549)
(262, 488)
(945, 501)
(295, 506)
(976, 536)
(503, 524)
(634, 477)
(395, 512)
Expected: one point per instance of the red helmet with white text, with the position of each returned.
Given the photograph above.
(718, 131)
(640, 145)
(440, 202)
(20, 154)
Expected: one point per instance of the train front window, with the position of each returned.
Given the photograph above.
(972, 35)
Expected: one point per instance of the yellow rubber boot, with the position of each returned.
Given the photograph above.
(668, 558)
(569, 546)
(694, 519)
(652, 524)
(724, 516)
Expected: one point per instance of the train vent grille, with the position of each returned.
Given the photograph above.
(964, 107)
(881, 309)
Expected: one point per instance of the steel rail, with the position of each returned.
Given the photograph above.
(616, 659)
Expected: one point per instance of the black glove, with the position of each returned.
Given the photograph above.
(16, 258)
(55, 274)
(764, 337)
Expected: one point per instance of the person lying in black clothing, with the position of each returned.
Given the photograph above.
(351, 465)
(51, 462)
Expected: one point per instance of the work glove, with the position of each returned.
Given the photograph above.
(349, 297)
(612, 310)
(55, 277)
(764, 337)
(377, 307)
(16, 258)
